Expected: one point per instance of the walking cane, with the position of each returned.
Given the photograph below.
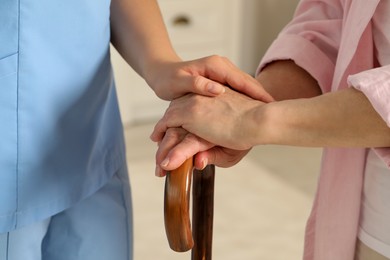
(176, 210)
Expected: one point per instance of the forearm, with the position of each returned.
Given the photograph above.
(139, 34)
(343, 118)
(285, 80)
(304, 117)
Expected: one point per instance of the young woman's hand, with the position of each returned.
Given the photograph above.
(206, 76)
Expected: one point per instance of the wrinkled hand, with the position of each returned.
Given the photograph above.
(206, 76)
(226, 120)
(222, 128)
(178, 145)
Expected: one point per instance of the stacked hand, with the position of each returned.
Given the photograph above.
(206, 76)
(217, 130)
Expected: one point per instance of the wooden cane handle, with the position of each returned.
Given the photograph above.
(176, 207)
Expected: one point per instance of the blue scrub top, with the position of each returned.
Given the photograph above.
(60, 128)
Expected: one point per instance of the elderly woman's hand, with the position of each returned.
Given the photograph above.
(178, 145)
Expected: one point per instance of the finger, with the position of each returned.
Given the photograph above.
(158, 132)
(214, 156)
(161, 128)
(202, 159)
(172, 137)
(198, 84)
(224, 71)
(249, 86)
(187, 148)
(207, 87)
(193, 82)
(219, 156)
(173, 118)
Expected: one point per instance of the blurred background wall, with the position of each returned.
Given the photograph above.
(241, 30)
(262, 20)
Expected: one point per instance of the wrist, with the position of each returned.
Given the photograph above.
(297, 122)
(155, 66)
(159, 73)
(270, 123)
(258, 122)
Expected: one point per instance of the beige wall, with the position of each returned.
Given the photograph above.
(262, 20)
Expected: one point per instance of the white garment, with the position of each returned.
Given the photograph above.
(375, 214)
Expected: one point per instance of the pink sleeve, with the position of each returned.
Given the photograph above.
(375, 84)
(311, 40)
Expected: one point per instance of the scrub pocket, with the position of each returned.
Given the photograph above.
(9, 29)
(8, 66)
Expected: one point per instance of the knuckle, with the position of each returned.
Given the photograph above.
(169, 113)
(179, 154)
(221, 59)
(198, 82)
(216, 59)
(190, 139)
(175, 133)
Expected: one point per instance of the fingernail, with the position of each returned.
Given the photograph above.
(215, 89)
(204, 163)
(165, 162)
(158, 171)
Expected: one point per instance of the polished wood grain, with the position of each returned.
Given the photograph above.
(176, 207)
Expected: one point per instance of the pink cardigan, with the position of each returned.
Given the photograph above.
(332, 40)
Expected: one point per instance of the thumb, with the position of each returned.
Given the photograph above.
(201, 85)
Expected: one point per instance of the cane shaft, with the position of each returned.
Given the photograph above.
(202, 213)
